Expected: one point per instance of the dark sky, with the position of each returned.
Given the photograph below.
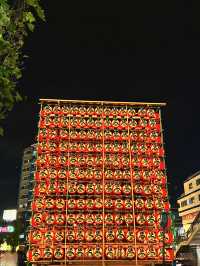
(144, 52)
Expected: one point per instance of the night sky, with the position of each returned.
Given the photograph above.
(149, 52)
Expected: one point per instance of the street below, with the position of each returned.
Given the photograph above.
(8, 259)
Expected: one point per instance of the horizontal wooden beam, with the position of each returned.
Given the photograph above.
(101, 102)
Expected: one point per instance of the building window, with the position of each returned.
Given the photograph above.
(191, 200)
(198, 182)
(190, 186)
(184, 203)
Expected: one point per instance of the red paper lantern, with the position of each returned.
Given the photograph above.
(71, 203)
(59, 253)
(47, 253)
(89, 218)
(70, 235)
(141, 219)
(37, 219)
(151, 253)
(90, 188)
(98, 219)
(110, 252)
(48, 236)
(128, 218)
(110, 235)
(130, 235)
(141, 253)
(139, 203)
(108, 203)
(70, 252)
(119, 204)
(89, 235)
(141, 236)
(89, 252)
(59, 219)
(35, 236)
(130, 252)
(36, 254)
(80, 252)
(151, 219)
(39, 204)
(80, 218)
(49, 203)
(151, 236)
(98, 252)
(119, 219)
(167, 253)
(109, 219)
(80, 235)
(98, 236)
(149, 203)
(59, 235)
(29, 255)
(128, 204)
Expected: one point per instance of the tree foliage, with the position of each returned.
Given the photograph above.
(17, 20)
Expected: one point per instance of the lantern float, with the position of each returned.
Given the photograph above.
(100, 184)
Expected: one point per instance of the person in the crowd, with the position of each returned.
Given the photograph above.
(21, 256)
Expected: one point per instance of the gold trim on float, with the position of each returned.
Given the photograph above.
(101, 102)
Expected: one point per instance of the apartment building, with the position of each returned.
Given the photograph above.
(189, 201)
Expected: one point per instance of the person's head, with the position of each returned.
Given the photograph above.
(21, 247)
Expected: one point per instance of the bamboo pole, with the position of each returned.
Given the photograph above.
(132, 190)
(58, 101)
(67, 194)
(103, 154)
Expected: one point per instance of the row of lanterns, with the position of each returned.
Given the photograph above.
(77, 173)
(95, 235)
(112, 160)
(98, 110)
(120, 135)
(97, 188)
(97, 203)
(96, 252)
(72, 219)
(75, 122)
(111, 147)
(109, 219)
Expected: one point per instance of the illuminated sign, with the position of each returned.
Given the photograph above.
(9, 215)
(21, 236)
(7, 229)
(5, 247)
(189, 216)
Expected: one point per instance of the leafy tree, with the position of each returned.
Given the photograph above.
(17, 20)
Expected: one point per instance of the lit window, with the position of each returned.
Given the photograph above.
(191, 201)
(198, 182)
(190, 186)
(184, 203)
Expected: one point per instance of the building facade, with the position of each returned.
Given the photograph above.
(189, 201)
(26, 188)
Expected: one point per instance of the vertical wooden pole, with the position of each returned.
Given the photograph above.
(132, 190)
(103, 155)
(67, 192)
